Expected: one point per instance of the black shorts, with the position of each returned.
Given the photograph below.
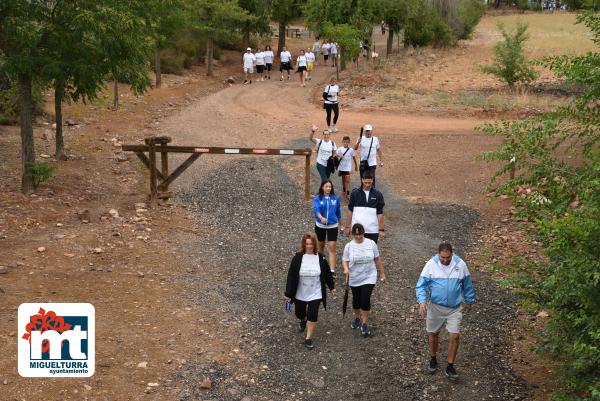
(325, 57)
(269, 66)
(307, 310)
(330, 234)
(285, 66)
(260, 68)
(343, 173)
(361, 296)
(301, 68)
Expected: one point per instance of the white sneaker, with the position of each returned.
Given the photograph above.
(335, 129)
(330, 130)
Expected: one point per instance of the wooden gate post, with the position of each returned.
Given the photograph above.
(307, 178)
(152, 162)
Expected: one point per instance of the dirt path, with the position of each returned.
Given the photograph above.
(254, 214)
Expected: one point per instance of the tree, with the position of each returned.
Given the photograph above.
(258, 19)
(396, 13)
(510, 64)
(560, 197)
(215, 19)
(283, 11)
(348, 39)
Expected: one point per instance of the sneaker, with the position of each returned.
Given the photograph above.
(432, 365)
(268, 77)
(355, 323)
(250, 81)
(281, 79)
(333, 274)
(335, 129)
(451, 372)
(308, 343)
(302, 325)
(364, 330)
(289, 78)
(330, 130)
(245, 82)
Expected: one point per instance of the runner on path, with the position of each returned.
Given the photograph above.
(249, 61)
(328, 213)
(346, 156)
(370, 147)
(446, 281)
(361, 262)
(331, 102)
(301, 67)
(325, 149)
(268, 61)
(366, 207)
(306, 280)
(285, 58)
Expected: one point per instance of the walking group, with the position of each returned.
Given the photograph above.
(259, 63)
(444, 289)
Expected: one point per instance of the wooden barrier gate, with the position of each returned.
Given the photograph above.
(158, 144)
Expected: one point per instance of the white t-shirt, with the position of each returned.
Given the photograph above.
(361, 260)
(316, 46)
(301, 61)
(345, 159)
(285, 56)
(325, 49)
(249, 60)
(332, 91)
(310, 58)
(309, 286)
(268, 56)
(325, 151)
(333, 48)
(365, 143)
(260, 58)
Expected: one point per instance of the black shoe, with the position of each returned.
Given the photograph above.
(302, 325)
(308, 344)
(451, 372)
(432, 365)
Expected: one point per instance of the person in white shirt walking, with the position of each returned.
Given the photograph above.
(310, 64)
(334, 52)
(316, 49)
(330, 103)
(346, 155)
(260, 64)
(301, 67)
(249, 61)
(370, 148)
(325, 149)
(285, 58)
(325, 49)
(268, 61)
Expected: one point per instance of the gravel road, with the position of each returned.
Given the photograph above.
(256, 216)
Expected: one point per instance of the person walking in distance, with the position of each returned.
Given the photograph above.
(260, 64)
(268, 61)
(307, 278)
(328, 213)
(301, 67)
(285, 58)
(325, 149)
(366, 208)
(446, 282)
(316, 49)
(361, 263)
(346, 155)
(310, 64)
(249, 61)
(370, 148)
(331, 104)
(333, 51)
(325, 50)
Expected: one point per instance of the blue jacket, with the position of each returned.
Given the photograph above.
(329, 208)
(446, 285)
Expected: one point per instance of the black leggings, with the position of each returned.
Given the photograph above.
(361, 296)
(336, 112)
(307, 310)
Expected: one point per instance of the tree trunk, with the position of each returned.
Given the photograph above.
(116, 94)
(27, 145)
(246, 37)
(209, 56)
(390, 42)
(281, 42)
(371, 44)
(342, 59)
(157, 68)
(58, 118)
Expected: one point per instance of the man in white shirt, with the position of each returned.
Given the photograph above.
(260, 64)
(249, 61)
(325, 49)
(333, 51)
(316, 48)
(286, 63)
(370, 148)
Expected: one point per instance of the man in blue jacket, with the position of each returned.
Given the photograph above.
(447, 281)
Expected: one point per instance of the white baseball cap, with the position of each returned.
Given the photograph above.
(248, 49)
(368, 127)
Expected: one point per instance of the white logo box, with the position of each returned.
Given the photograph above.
(78, 363)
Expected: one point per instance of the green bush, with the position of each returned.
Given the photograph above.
(510, 64)
(582, 4)
(426, 27)
(469, 15)
(41, 172)
(9, 100)
(561, 198)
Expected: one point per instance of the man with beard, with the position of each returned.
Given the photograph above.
(446, 280)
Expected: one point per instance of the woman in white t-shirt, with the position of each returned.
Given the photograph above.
(331, 104)
(260, 64)
(286, 62)
(325, 49)
(325, 149)
(306, 280)
(268, 60)
(361, 263)
(301, 64)
(346, 155)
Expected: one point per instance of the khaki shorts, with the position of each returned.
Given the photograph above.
(437, 315)
(310, 66)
